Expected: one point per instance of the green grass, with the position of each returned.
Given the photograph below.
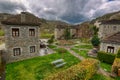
(106, 66)
(100, 77)
(81, 52)
(38, 68)
(84, 46)
(52, 46)
(46, 35)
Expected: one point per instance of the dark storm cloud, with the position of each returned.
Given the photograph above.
(72, 11)
(10, 6)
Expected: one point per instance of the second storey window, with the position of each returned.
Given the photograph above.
(15, 32)
(16, 51)
(32, 49)
(31, 32)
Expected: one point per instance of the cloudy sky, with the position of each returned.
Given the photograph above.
(72, 11)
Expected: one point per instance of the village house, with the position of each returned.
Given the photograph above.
(60, 31)
(76, 31)
(21, 36)
(109, 33)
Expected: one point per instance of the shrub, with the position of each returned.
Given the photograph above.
(95, 41)
(82, 71)
(106, 57)
(116, 65)
(118, 54)
(51, 40)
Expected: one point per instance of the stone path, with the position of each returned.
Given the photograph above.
(101, 71)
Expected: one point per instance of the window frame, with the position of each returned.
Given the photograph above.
(32, 32)
(32, 49)
(15, 32)
(16, 51)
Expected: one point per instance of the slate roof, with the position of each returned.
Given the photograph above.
(113, 39)
(29, 19)
(113, 21)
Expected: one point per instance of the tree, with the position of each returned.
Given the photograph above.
(95, 41)
(67, 34)
(95, 29)
(51, 40)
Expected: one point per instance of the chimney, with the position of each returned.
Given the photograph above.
(23, 17)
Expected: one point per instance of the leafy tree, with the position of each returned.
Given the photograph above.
(95, 41)
(51, 40)
(67, 34)
(95, 29)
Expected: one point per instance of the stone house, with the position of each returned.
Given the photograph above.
(60, 31)
(108, 28)
(21, 36)
(109, 32)
(76, 31)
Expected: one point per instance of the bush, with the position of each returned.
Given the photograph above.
(118, 54)
(95, 41)
(116, 66)
(51, 40)
(106, 57)
(82, 71)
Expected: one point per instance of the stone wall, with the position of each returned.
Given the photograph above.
(103, 47)
(24, 41)
(59, 33)
(108, 30)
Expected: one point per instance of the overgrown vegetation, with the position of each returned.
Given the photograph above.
(106, 57)
(38, 68)
(82, 71)
(116, 65)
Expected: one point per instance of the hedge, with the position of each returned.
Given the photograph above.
(118, 54)
(82, 71)
(106, 57)
(116, 65)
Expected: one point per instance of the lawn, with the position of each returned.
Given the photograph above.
(52, 46)
(105, 66)
(37, 68)
(46, 35)
(80, 52)
(100, 77)
(84, 46)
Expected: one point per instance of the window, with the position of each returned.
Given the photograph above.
(16, 51)
(114, 27)
(110, 49)
(32, 49)
(15, 32)
(31, 32)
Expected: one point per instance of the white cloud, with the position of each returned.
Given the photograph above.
(73, 11)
